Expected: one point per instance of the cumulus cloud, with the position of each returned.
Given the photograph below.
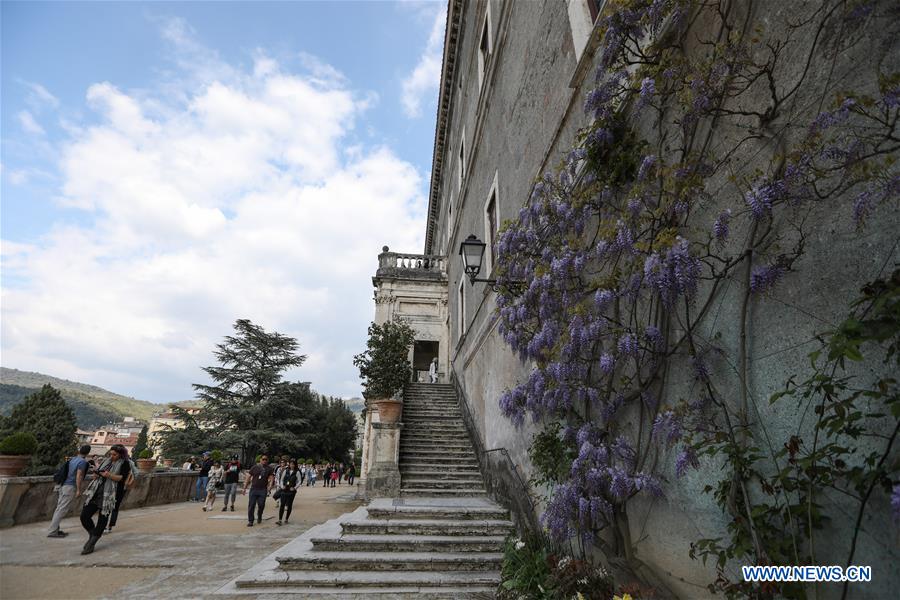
(422, 83)
(246, 197)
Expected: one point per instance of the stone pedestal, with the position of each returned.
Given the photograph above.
(383, 479)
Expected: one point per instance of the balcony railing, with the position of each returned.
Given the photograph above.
(411, 265)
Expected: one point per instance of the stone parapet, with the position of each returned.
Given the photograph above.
(31, 499)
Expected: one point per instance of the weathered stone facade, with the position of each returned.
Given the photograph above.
(508, 115)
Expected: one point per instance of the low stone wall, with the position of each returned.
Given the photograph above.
(30, 499)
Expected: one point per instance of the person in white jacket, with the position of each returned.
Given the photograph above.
(433, 370)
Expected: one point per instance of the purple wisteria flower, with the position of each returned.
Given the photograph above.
(830, 118)
(895, 502)
(648, 89)
(628, 345)
(607, 363)
(763, 279)
(763, 196)
(686, 458)
(675, 274)
(647, 165)
(720, 227)
(667, 425)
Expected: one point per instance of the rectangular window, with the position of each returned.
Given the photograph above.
(491, 226)
(594, 7)
(462, 159)
(484, 46)
(461, 308)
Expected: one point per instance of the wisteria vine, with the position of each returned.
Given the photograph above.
(626, 246)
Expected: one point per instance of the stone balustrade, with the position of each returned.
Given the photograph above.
(30, 499)
(426, 266)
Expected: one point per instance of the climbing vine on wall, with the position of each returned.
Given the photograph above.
(716, 148)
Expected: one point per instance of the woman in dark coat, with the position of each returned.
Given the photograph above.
(102, 492)
(288, 488)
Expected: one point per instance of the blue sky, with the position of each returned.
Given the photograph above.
(170, 167)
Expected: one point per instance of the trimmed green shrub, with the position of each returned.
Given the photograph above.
(19, 444)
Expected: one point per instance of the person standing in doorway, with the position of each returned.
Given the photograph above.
(433, 370)
(260, 481)
(232, 474)
(69, 489)
(290, 477)
(101, 494)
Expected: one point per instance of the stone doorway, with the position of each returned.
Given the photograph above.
(423, 352)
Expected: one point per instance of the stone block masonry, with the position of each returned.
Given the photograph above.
(31, 499)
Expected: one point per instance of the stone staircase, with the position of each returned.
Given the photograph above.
(442, 538)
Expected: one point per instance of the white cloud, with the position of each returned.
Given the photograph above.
(38, 97)
(423, 82)
(29, 124)
(246, 197)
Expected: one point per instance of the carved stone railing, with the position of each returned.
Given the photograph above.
(398, 264)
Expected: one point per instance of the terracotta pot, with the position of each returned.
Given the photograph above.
(146, 465)
(12, 465)
(168, 462)
(389, 409)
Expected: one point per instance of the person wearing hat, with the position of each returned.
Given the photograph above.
(203, 480)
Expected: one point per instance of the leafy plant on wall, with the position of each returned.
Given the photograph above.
(714, 149)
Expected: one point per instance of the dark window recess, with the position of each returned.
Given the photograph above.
(594, 6)
(492, 221)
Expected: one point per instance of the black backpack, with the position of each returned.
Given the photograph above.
(62, 473)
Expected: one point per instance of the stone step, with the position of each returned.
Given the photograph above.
(410, 543)
(428, 527)
(433, 435)
(406, 512)
(299, 582)
(439, 492)
(426, 465)
(406, 452)
(415, 483)
(427, 428)
(392, 561)
(449, 472)
(413, 446)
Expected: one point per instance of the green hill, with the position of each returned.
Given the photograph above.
(93, 406)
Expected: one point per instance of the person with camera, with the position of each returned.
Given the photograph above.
(102, 491)
(260, 481)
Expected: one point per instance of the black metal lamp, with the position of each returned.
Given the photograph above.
(472, 252)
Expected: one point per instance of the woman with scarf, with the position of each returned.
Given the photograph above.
(101, 494)
(287, 485)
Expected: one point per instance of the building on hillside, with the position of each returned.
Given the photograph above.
(514, 81)
(161, 422)
(83, 436)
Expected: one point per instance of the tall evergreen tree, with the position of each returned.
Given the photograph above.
(141, 443)
(241, 405)
(46, 415)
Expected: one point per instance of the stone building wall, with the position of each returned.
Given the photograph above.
(519, 125)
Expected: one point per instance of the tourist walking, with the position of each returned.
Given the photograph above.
(433, 370)
(326, 476)
(216, 474)
(189, 465)
(335, 473)
(120, 495)
(287, 487)
(260, 481)
(311, 475)
(69, 489)
(101, 494)
(232, 474)
(351, 473)
(203, 479)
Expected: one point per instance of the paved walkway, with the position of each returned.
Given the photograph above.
(170, 551)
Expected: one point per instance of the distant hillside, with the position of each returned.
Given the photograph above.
(355, 404)
(93, 406)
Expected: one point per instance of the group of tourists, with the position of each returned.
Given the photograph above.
(113, 475)
(105, 481)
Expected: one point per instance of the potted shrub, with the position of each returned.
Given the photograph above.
(145, 461)
(15, 453)
(384, 367)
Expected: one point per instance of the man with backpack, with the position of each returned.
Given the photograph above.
(70, 480)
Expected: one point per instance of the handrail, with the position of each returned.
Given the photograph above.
(481, 453)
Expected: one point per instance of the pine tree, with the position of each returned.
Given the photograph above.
(46, 415)
(242, 406)
(141, 443)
